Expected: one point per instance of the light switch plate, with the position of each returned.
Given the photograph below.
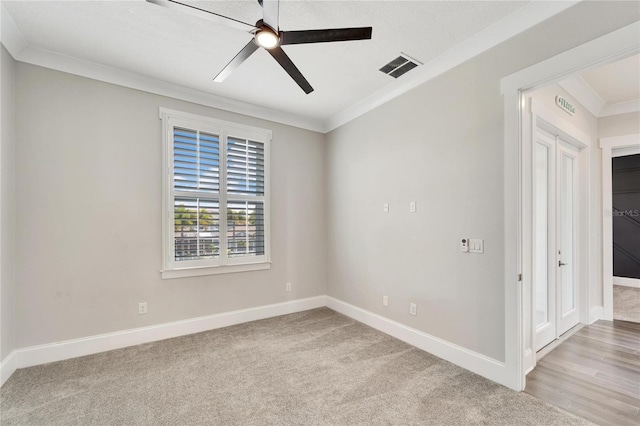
(412, 207)
(385, 207)
(476, 246)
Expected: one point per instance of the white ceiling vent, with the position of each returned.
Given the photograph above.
(400, 65)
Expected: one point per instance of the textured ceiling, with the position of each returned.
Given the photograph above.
(183, 49)
(617, 82)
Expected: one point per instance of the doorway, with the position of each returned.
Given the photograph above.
(617, 152)
(559, 222)
(614, 46)
(555, 218)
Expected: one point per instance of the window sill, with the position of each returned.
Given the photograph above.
(213, 270)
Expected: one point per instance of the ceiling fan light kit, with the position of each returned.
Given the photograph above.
(266, 34)
(266, 38)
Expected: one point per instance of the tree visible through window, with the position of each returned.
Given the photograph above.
(215, 167)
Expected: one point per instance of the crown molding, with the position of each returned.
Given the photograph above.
(148, 84)
(20, 50)
(519, 21)
(10, 35)
(588, 98)
(516, 23)
(584, 94)
(621, 108)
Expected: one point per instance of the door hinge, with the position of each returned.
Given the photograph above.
(519, 277)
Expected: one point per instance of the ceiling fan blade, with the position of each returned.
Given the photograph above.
(270, 13)
(205, 14)
(286, 63)
(323, 36)
(236, 61)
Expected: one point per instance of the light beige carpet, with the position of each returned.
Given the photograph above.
(626, 303)
(310, 368)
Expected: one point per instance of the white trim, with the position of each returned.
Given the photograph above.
(588, 98)
(8, 366)
(626, 282)
(11, 37)
(609, 147)
(59, 351)
(519, 21)
(52, 352)
(561, 127)
(595, 313)
(223, 129)
(584, 94)
(544, 121)
(620, 108)
(107, 74)
(608, 48)
(529, 360)
(621, 152)
(214, 270)
(465, 358)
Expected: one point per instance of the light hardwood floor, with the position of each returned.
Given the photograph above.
(595, 374)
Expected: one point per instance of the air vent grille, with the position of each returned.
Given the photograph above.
(399, 66)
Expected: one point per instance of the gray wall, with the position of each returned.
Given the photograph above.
(7, 205)
(88, 197)
(88, 167)
(619, 125)
(440, 145)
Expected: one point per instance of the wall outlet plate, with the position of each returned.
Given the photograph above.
(142, 308)
(287, 287)
(385, 300)
(413, 309)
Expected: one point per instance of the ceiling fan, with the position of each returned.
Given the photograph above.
(267, 34)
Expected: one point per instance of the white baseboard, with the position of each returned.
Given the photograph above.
(465, 358)
(627, 282)
(596, 313)
(42, 354)
(7, 367)
(529, 361)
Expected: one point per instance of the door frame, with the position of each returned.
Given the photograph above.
(539, 116)
(608, 48)
(615, 146)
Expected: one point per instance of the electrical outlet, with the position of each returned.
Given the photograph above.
(142, 308)
(413, 309)
(288, 287)
(385, 300)
(412, 207)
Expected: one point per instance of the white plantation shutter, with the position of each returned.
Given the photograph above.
(196, 160)
(245, 167)
(196, 186)
(217, 196)
(245, 197)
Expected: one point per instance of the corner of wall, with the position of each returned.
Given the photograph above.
(7, 214)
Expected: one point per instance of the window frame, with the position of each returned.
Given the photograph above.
(224, 129)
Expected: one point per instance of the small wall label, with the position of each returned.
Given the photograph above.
(565, 105)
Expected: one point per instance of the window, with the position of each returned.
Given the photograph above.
(216, 196)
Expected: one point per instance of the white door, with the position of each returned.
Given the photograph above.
(555, 295)
(566, 234)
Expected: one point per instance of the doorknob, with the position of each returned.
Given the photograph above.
(560, 263)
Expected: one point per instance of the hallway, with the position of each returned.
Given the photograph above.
(595, 374)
